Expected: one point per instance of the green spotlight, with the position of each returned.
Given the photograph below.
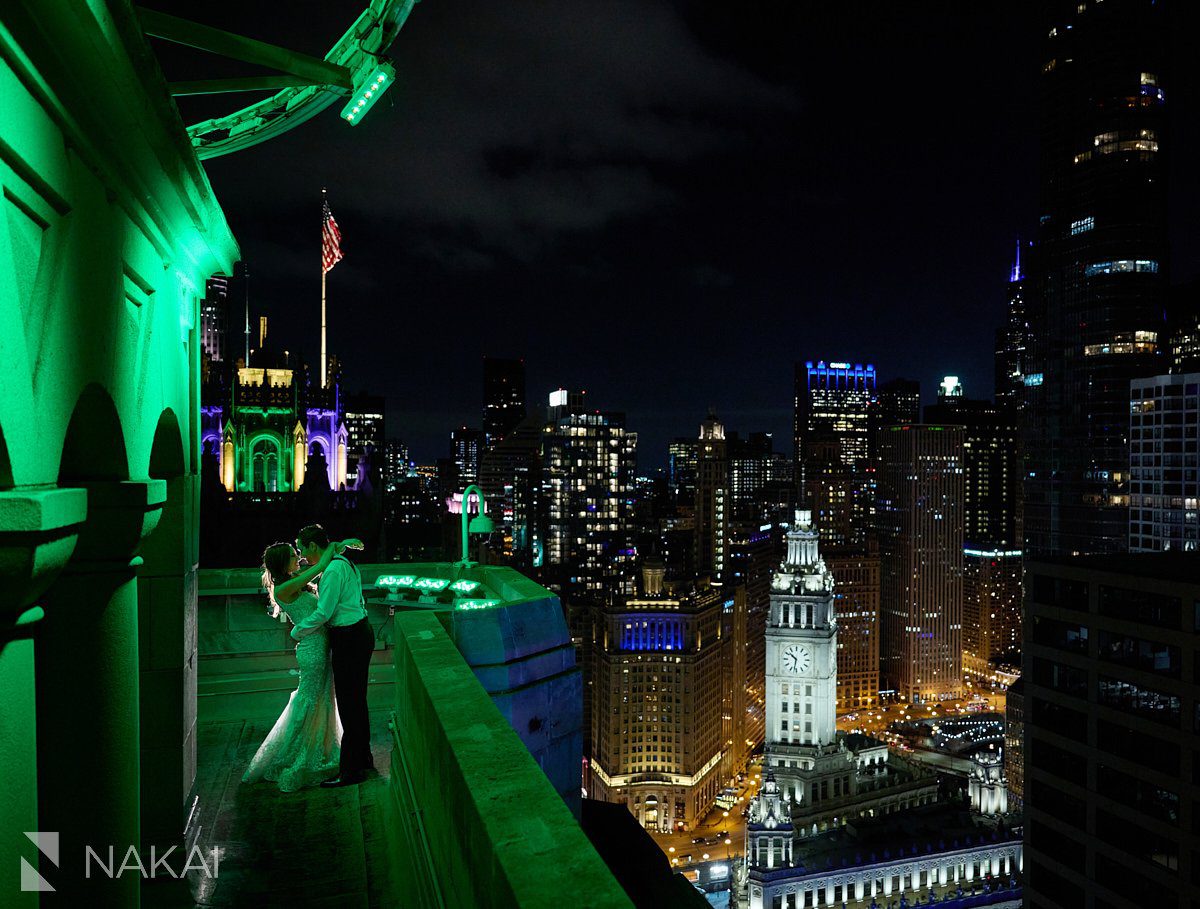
(368, 87)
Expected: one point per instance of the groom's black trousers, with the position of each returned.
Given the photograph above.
(351, 647)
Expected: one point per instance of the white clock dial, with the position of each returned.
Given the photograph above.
(797, 659)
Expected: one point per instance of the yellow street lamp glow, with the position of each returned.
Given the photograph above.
(368, 88)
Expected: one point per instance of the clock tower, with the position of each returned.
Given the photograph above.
(801, 651)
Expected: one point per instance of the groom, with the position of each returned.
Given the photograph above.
(340, 607)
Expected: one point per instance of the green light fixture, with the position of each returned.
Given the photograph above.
(366, 91)
(480, 524)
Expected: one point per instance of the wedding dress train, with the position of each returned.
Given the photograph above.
(303, 747)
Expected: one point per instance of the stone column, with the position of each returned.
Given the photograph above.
(943, 874)
(166, 592)
(971, 868)
(87, 695)
(887, 884)
(829, 894)
(38, 532)
(860, 888)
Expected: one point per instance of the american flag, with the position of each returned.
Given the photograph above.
(331, 240)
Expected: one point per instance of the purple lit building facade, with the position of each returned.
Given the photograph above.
(273, 432)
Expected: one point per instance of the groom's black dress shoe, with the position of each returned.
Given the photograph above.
(348, 779)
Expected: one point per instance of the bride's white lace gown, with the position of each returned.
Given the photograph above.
(303, 747)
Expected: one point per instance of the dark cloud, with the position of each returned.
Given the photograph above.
(667, 203)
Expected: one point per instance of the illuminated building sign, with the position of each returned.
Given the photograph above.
(1034, 378)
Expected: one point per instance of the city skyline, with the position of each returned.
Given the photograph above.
(690, 142)
(944, 652)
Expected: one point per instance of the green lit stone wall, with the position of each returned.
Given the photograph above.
(108, 232)
(477, 823)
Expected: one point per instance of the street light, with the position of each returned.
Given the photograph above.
(480, 524)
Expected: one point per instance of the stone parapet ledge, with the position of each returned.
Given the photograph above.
(39, 529)
(478, 824)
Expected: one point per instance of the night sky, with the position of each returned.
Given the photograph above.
(666, 204)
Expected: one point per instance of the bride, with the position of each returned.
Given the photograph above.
(302, 748)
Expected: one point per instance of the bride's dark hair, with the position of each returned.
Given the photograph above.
(277, 558)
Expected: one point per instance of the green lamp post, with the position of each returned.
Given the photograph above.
(480, 524)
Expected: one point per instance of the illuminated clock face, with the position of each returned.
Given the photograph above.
(797, 659)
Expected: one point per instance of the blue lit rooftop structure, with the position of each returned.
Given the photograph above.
(840, 375)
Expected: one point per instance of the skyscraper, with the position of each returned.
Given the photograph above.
(1165, 500)
(833, 402)
(920, 519)
(750, 466)
(511, 476)
(856, 604)
(1110, 780)
(503, 398)
(1096, 308)
(658, 670)
(1012, 339)
(834, 407)
(214, 317)
(753, 556)
(712, 498)
(466, 445)
(991, 538)
(397, 464)
(589, 459)
(364, 428)
(681, 470)
(899, 402)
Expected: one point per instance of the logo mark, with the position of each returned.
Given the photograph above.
(47, 844)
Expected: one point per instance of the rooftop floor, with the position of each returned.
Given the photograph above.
(315, 847)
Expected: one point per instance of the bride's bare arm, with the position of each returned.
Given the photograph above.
(290, 589)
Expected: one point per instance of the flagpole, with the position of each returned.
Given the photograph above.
(323, 361)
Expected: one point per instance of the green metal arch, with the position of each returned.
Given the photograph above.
(360, 47)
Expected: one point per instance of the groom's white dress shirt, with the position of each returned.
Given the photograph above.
(339, 600)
